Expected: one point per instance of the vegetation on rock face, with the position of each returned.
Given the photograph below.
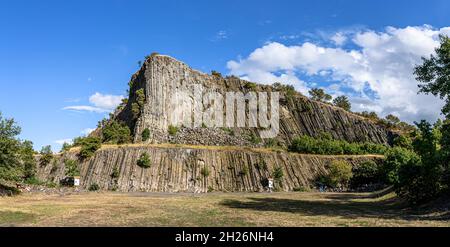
(250, 85)
(319, 95)
(326, 145)
(115, 173)
(172, 130)
(216, 74)
(278, 173)
(46, 155)
(205, 172)
(117, 133)
(89, 145)
(94, 187)
(342, 102)
(288, 90)
(136, 107)
(145, 135)
(71, 168)
(144, 161)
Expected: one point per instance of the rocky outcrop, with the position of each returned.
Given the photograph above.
(176, 168)
(161, 75)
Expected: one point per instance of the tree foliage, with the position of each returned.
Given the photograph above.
(342, 102)
(319, 95)
(434, 74)
(16, 156)
(325, 144)
(116, 132)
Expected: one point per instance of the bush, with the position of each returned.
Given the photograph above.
(117, 133)
(145, 134)
(115, 173)
(89, 145)
(144, 161)
(394, 159)
(340, 173)
(368, 172)
(94, 187)
(46, 155)
(253, 138)
(205, 172)
(244, 171)
(71, 168)
(325, 145)
(216, 74)
(172, 130)
(278, 174)
(250, 85)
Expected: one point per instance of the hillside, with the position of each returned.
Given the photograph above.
(181, 168)
(160, 76)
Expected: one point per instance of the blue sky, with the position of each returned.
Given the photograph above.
(57, 54)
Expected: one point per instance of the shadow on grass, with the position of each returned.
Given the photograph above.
(340, 205)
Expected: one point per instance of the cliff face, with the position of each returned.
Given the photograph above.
(160, 76)
(179, 168)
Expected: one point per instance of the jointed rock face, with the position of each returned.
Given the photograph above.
(237, 168)
(161, 75)
(179, 169)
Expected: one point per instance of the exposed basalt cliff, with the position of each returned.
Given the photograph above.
(179, 168)
(161, 75)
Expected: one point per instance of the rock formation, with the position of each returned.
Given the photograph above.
(179, 168)
(161, 75)
(230, 155)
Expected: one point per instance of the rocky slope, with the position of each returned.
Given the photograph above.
(161, 75)
(176, 168)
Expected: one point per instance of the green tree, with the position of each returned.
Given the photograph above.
(116, 132)
(340, 173)
(319, 95)
(46, 155)
(16, 157)
(28, 160)
(89, 145)
(393, 120)
(342, 102)
(434, 74)
(71, 168)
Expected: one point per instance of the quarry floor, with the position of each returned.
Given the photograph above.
(212, 209)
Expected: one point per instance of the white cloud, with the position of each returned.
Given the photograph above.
(106, 101)
(101, 103)
(87, 131)
(377, 74)
(61, 142)
(339, 38)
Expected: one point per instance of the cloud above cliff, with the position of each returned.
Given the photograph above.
(100, 103)
(375, 69)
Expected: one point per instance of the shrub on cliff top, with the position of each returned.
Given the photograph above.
(310, 145)
(117, 133)
(89, 145)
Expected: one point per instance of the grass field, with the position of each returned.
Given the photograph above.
(213, 209)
